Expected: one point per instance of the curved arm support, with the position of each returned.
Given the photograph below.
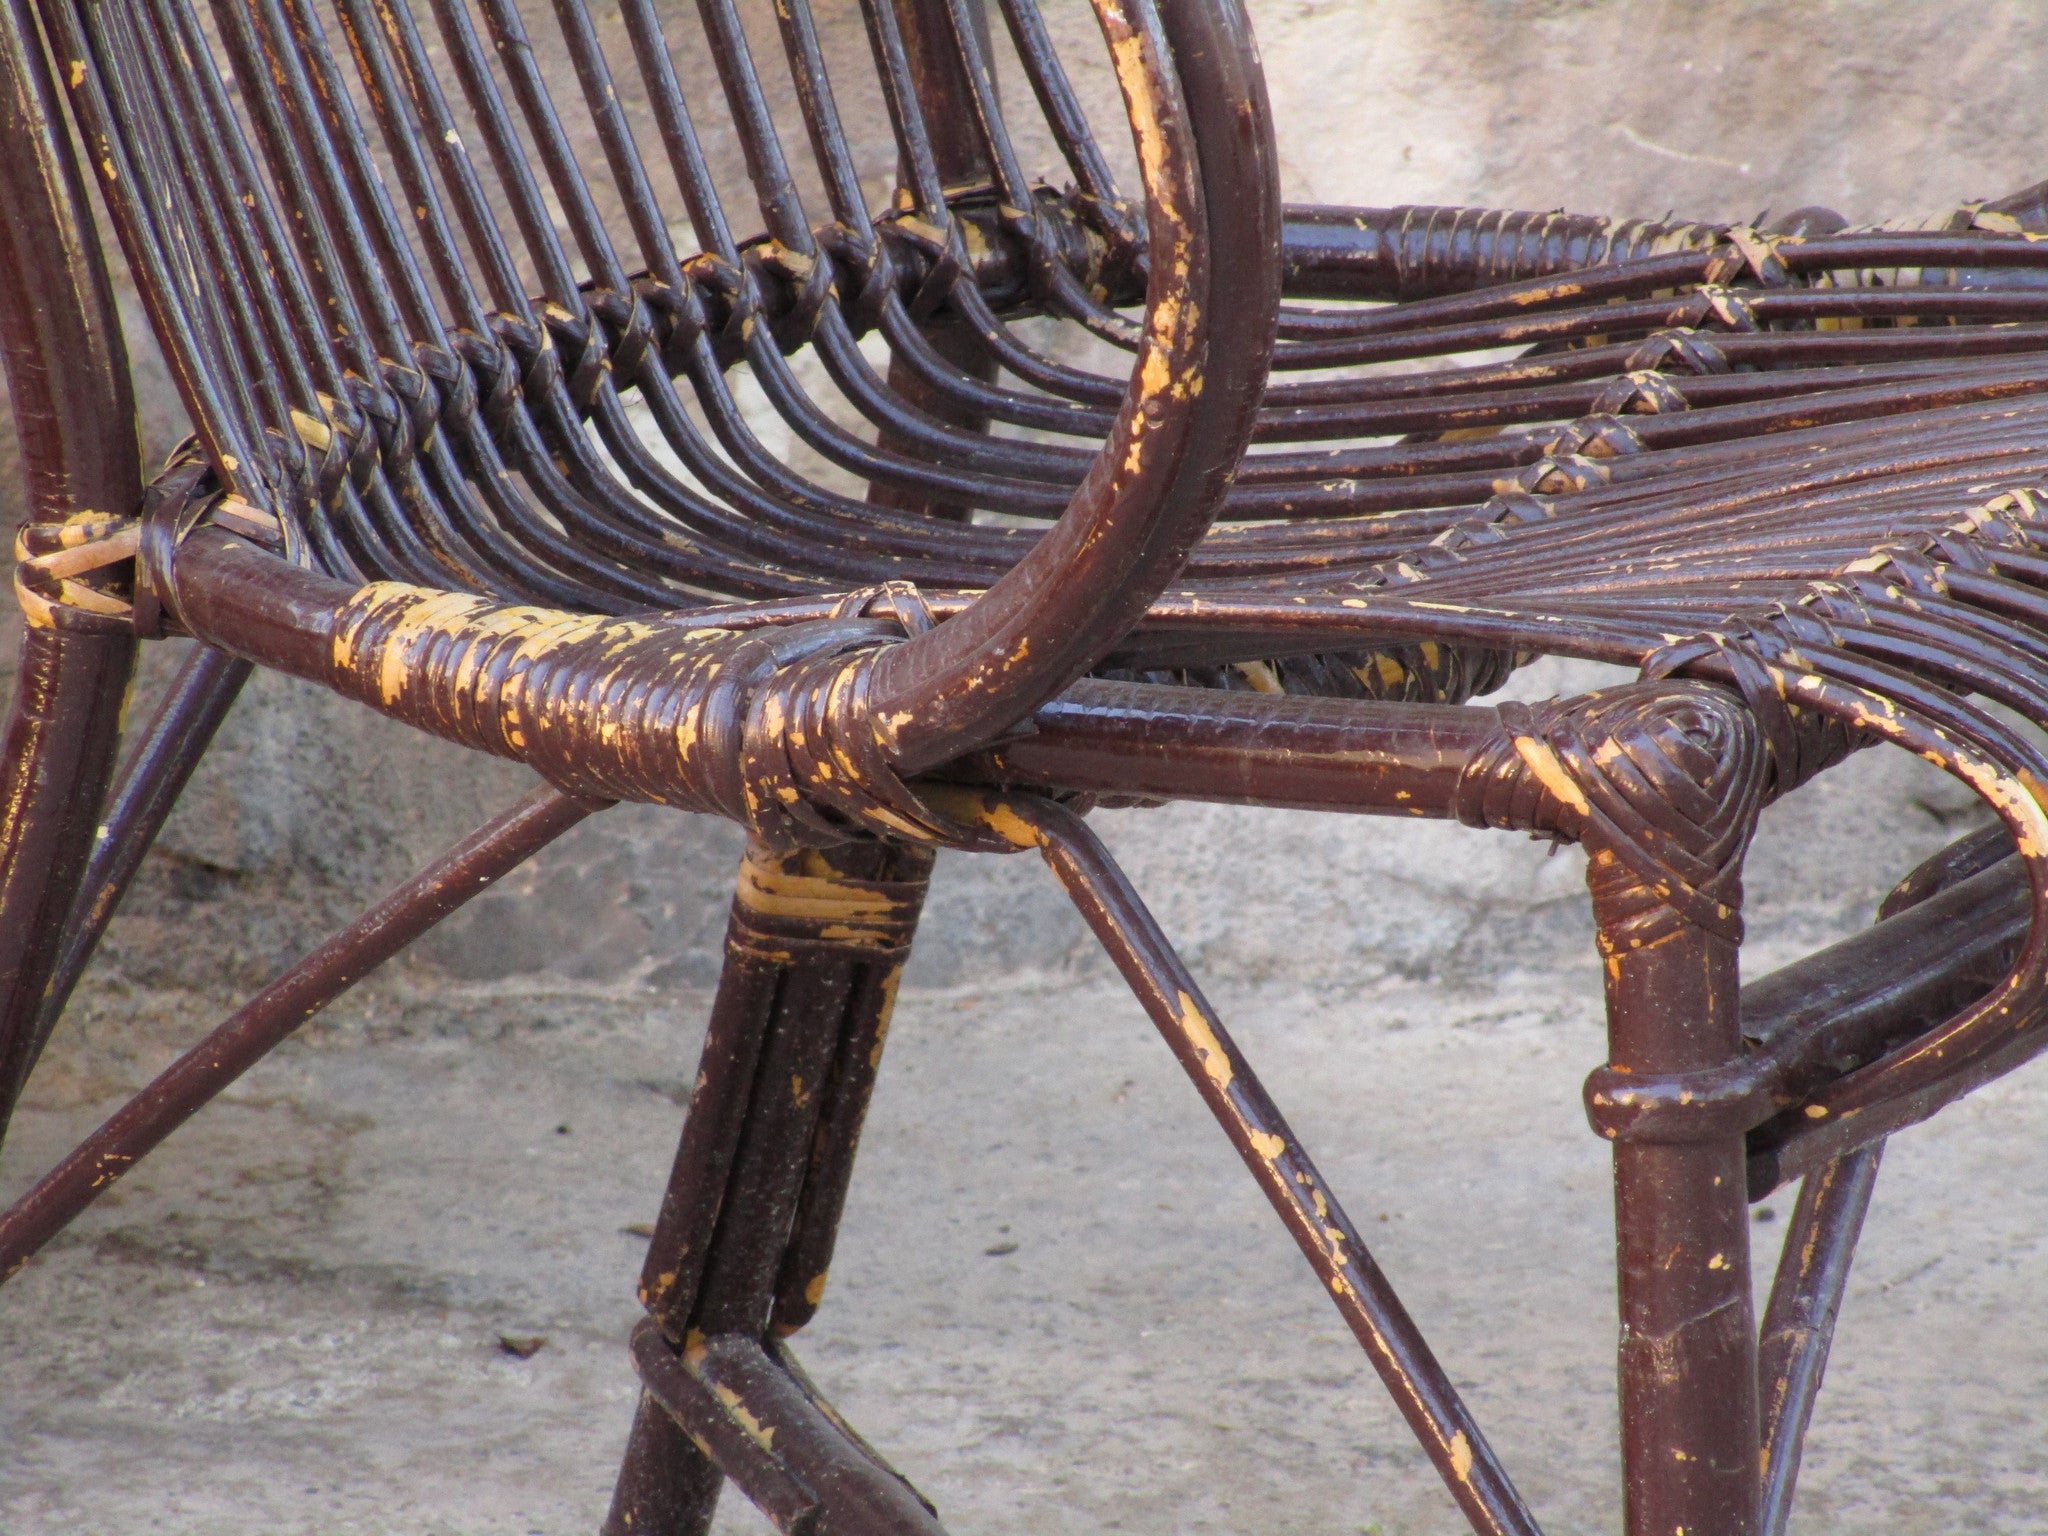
(75, 418)
(1190, 78)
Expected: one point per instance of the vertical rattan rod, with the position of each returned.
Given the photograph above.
(667, 1486)
(773, 1155)
(720, 1099)
(1681, 1215)
(1056, 98)
(74, 415)
(870, 1003)
(958, 157)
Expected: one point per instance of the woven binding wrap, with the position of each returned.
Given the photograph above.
(71, 576)
(1662, 784)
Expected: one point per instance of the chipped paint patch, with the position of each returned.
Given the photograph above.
(1551, 773)
(1201, 1034)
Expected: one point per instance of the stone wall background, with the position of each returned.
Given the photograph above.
(1878, 108)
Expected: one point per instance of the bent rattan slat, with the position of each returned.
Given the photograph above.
(472, 449)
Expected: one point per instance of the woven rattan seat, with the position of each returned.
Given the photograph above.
(573, 384)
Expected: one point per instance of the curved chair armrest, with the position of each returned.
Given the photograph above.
(1198, 111)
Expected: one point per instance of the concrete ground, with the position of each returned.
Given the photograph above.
(1059, 1304)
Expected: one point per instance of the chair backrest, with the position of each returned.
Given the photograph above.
(429, 277)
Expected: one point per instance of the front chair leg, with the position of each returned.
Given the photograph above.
(1674, 805)
(667, 1485)
(1688, 1337)
(1661, 782)
(816, 943)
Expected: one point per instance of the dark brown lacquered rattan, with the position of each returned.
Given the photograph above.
(536, 356)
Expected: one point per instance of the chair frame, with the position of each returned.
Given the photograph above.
(970, 719)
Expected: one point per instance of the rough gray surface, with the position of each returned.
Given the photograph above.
(1715, 108)
(288, 1321)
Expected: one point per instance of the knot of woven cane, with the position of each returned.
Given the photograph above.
(490, 385)
(1750, 253)
(1554, 475)
(448, 397)
(772, 728)
(331, 439)
(1640, 393)
(577, 364)
(1711, 304)
(1662, 785)
(1762, 656)
(391, 406)
(628, 327)
(351, 449)
(368, 416)
(927, 250)
(1677, 349)
(868, 272)
(420, 403)
(77, 575)
(1599, 436)
(1899, 570)
(799, 287)
(1487, 526)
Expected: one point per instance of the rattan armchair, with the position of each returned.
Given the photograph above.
(468, 451)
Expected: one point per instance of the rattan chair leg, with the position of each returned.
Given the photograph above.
(145, 790)
(668, 1485)
(816, 943)
(1688, 1341)
(54, 765)
(1688, 1336)
(182, 1089)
